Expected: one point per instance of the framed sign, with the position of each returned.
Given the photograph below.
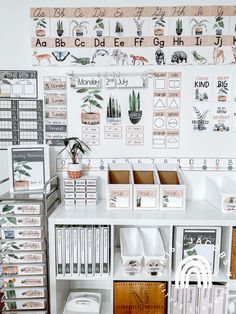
(28, 167)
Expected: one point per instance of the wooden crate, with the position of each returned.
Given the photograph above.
(134, 297)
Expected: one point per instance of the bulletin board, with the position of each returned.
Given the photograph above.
(179, 85)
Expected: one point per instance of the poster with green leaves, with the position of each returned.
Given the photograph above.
(29, 167)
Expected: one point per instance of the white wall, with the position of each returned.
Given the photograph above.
(16, 53)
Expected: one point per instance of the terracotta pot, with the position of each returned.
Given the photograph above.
(74, 171)
(198, 31)
(222, 98)
(79, 32)
(90, 118)
(158, 31)
(40, 32)
(21, 185)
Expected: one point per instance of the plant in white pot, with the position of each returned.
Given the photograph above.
(76, 148)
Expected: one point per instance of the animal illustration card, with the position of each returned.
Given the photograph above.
(159, 56)
(178, 55)
(200, 55)
(100, 57)
(202, 88)
(80, 57)
(130, 57)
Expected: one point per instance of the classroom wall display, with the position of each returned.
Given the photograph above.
(55, 101)
(18, 84)
(109, 116)
(28, 167)
(213, 103)
(21, 122)
(178, 35)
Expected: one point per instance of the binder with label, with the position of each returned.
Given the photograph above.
(67, 241)
(105, 251)
(75, 267)
(97, 249)
(82, 251)
(90, 250)
(59, 251)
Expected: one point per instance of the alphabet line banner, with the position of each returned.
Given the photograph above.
(179, 35)
(111, 117)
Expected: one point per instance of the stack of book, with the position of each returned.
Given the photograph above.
(82, 251)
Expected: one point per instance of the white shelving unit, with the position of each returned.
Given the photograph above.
(198, 213)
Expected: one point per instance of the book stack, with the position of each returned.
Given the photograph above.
(233, 255)
(198, 300)
(82, 191)
(82, 251)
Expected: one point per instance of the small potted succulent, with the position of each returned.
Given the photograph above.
(219, 24)
(99, 27)
(40, 27)
(139, 25)
(198, 27)
(135, 114)
(76, 148)
(113, 111)
(119, 29)
(159, 25)
(60, 29)
(222, 94)
(179, 27)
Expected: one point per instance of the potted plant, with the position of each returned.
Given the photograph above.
(179, 27)
(198, 26)
(139, 25)
(91, 103)
(219, 24)
(99, 27)
(79, 28)
(201, 117)
(222, 94)
(119, 29)
(113, 111)
(159, 25)
(135, 114)
(21, 175)
(76, 148)
(40, 26)
(60, 29)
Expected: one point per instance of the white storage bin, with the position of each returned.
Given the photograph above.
(146, 187)
(131, 251)
(172, 187)
(221, 192)
(83, 303)
(154, 251)
(119, 186)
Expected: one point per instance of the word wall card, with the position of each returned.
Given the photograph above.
(55, 100)
(166, 109)
(102, 36)
(21, 122)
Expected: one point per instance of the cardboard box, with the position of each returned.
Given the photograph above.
(233, 255)
(221, 193)
(172, 187)
(146, 187)
(120, 186)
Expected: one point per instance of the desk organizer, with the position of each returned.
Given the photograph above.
(221, 192)
(153, 250)
(131, 251)
(146, 187)
(172, 187)
(83, 303)
(120, 186)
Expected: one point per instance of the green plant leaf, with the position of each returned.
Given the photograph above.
(82, 90)
(2, 221)
(101, 25)
(95, 104)
(7, 208)
(15, 247)
(99, 20)
(98, 96)
(12, 220)
(13, 255)
(95, 91)
(221, 24)
(27, 167)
